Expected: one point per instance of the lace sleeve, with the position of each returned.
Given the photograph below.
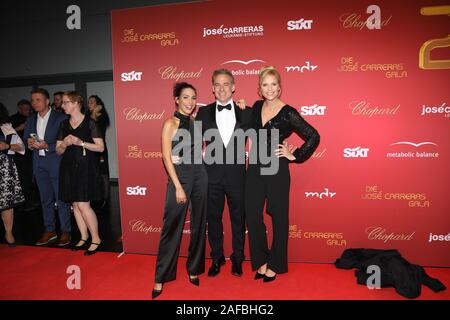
(95, 130)
(307, 133)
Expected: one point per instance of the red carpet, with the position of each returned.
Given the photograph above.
(40, 273)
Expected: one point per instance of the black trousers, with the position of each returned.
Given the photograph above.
(194, 180)
(233, 189)
(274, 190)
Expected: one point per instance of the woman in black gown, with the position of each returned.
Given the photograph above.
(188, 183)
(272, 113)
(79, 175)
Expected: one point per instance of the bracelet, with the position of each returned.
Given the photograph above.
(9, 147)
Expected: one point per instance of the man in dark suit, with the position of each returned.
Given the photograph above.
(41, 132)
(226, 169)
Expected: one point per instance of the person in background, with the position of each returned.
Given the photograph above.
(57, 101)
(24, 162)
(98, 113)
(10, 189)
(79, 139)
(40, 135)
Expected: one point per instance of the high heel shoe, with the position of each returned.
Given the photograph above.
(156, 293)
(259, 275)
(10, 244)
(269, 279)
(195, 281)
(91, 252)
(76, 248)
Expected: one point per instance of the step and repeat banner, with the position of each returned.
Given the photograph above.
(373, 78)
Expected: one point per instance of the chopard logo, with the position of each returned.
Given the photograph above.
(379, 233)
(171, 73)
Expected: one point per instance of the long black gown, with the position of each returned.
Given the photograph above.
(273, 188)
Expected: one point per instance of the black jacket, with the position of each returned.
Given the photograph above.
(406, 278)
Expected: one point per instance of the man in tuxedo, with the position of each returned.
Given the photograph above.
(41, 132)
(223, 118)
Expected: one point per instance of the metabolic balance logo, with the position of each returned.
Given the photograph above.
(301, 24)
(243, 68)
(410, 150)
(234, 31)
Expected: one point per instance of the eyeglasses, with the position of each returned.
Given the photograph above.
(66, 102)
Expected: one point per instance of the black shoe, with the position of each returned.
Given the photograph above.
(91, 252)
(269, 279)
(215, 267)
(76, 248)
(236, 268)
(259, 275)
(156, 293)
(195, 281)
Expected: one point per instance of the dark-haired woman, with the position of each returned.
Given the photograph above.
(98, 113)
(188, 184)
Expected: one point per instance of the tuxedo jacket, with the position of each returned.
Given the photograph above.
(51, 133)
(218, 167)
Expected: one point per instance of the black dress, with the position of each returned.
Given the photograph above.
(79, 174)
(273, 188)
(103, 124)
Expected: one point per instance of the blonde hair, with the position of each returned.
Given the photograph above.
(266, 71)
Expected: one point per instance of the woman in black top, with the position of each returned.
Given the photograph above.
(273, 189)
(188, 183)
(79, 139)
(97, 112)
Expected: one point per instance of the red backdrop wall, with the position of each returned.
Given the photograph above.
(380, 176)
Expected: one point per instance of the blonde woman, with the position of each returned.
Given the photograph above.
(272, 113)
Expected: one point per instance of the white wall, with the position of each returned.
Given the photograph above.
(105, 91)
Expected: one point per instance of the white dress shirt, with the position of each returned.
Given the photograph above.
(226, 120)
(41, 125)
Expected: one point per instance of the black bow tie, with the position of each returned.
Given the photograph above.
(220, 107)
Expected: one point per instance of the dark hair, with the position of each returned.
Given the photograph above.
(41, 91)
(180, 86)
(98, 101)
(59, 93)
(4, 114)
(222, 71)
(23, 101)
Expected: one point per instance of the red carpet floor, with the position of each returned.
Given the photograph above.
(40, 273)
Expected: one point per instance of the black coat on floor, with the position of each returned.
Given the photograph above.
(397, 272)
